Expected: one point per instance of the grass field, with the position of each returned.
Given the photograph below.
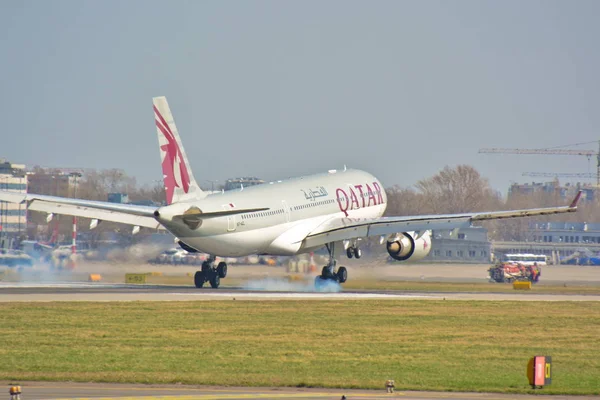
(423, 345)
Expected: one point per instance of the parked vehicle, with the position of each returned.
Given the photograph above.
(177, 256)
(509, 272)
(15, 258)
(525, 259)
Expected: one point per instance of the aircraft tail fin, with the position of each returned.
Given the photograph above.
(180, 184)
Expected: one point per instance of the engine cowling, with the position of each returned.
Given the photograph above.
(403, 246)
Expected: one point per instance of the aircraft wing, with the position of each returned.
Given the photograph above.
(339, 229)
(105, 211)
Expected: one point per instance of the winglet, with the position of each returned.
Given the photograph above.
(576, 200)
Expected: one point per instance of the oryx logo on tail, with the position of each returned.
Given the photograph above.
(178, 180)
(173, 166)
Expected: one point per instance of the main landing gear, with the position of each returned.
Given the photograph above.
(210, 273)
(329, 273)
(353, 251)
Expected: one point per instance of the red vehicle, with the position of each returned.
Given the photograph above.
(509, 272)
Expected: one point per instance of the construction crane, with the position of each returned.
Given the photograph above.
(553, 151)
(582, 175)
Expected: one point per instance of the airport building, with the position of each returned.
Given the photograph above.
(239, 183)
(13, 217)
(123, 198)
(60, 183)
(564, 232)
(557, 240)
(469, 245)
(565, 192)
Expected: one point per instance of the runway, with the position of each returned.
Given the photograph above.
(69, 291)
(101, 391)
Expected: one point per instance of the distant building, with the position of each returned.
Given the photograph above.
(53, 183)
(118, 198)
(147, 203)
(123, 198)
(238, 183)
(468, 245)
(13, 217)
(554, 239)
(566, 191)
(563, 232)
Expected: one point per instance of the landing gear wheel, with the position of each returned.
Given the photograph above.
(325, 273)
(357, 253)
(222, 270)
(342, 275)
(206, 267)
(349, 252)
(215, 281)
(199, 279)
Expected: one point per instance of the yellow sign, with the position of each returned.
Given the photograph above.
(135, 278)
(522, 285)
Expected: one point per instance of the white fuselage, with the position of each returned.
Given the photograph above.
(296, 207)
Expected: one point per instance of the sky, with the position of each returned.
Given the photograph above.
(277, 89)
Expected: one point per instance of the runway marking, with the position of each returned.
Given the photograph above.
(212, 393)
(236, 396)
(55, 285)
(208, 396)
(309, 295)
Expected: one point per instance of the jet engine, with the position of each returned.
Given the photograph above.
(409, 245)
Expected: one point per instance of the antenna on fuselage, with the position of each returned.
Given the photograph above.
(344, 167)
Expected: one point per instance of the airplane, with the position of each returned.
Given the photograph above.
(283, 218)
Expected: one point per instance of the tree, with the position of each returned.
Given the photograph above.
(96, 185)
(457, 190)
(154, 192)
(403, 201)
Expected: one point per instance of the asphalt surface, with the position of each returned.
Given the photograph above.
(72, 291)
(72, 391)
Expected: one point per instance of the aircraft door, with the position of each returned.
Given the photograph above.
(230, 219)
(286, 210)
